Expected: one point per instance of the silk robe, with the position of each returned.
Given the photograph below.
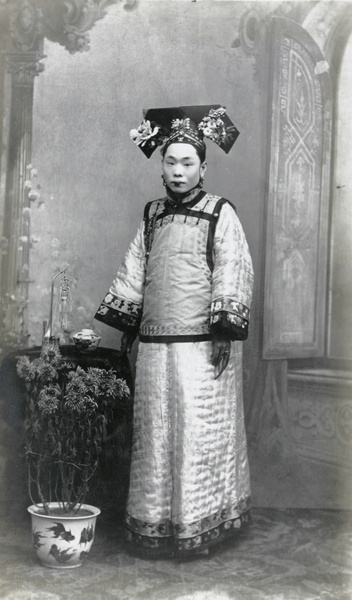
(187, 275)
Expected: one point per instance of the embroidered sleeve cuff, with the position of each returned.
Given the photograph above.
(229, 316)
(119, 313)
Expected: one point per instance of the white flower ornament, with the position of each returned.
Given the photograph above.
(144, 133)
(213, 126)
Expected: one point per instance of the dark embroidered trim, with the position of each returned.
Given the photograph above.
(120, 304)
(196, 214)
(211, 233)
(230, 305)
(213, 536)
(145, 547)
(234, 325)
(174, 329)
(119, 313)
(210, 241)
(167, 545)
(190, 203)
(202, 210)
(147, 209)
(117, 320)
(212, 218)
(166, 528)
(168, 209)
(149, 225)
(169, 339)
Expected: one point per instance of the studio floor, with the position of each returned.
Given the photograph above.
(285, 555)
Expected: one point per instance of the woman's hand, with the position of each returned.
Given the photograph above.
(127, 342)
(221, 353)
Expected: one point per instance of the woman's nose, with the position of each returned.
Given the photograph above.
(178, 170)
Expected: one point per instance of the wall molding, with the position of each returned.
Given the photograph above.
(319, 413)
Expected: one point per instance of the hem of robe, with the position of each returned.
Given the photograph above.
(171, 544)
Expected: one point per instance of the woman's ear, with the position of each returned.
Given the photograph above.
(203, 168)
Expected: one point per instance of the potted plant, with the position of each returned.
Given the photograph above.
(68, 412)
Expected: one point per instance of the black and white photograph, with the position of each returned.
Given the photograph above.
(175, 300)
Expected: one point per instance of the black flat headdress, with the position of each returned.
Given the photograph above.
(185, 124)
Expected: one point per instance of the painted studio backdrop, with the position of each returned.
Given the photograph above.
(73, 188)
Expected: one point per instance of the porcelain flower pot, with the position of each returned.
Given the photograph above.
(63, 541)
(86, 340)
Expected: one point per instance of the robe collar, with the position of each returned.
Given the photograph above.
(176, 199)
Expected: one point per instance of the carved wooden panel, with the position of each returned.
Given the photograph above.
(297, 205)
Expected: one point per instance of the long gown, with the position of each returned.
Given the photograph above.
(187, 275)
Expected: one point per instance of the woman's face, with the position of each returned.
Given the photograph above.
(182, 168)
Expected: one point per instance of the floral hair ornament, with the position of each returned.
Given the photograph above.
(145, 134)
(185, 124)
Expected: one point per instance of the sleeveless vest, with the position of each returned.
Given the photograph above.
(178, 282)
